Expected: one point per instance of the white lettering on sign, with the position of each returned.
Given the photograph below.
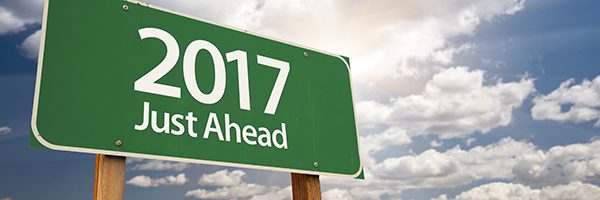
(172, 124)
(242, 64)
(189, 72)
(148, 82)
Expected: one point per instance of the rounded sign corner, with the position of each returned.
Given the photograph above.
(39, 138)
(360, 169)
(345, 63)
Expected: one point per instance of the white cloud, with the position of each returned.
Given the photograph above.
(575, 190)
(243, 190)
(371, 112)
(390, 137)
(499, 190)
(470, 141)
(441, 197)
(244, 14)
(403, 43)
(6, 198)
(31, 46)
(275, 194)
(388, 41)
(159, 165)
(16, 15)
(5, 130)
(445, 56)
(222, 178)
(337, 194)
(9, 23)
(583, 100)
(435, 143)
(455, 103)
(231, 186)
(507, 159)
(354, 193)
(455, 166)
(560, 164)
(145, 181)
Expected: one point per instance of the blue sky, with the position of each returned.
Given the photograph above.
(410, 60)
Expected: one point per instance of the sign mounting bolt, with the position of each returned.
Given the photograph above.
(305, 54)
(315, 164)
(125, 7)
(118, 143)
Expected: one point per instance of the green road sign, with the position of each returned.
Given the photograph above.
(130, 79)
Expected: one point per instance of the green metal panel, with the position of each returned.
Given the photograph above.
(92, 54)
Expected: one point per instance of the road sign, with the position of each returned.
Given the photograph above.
(130, 79)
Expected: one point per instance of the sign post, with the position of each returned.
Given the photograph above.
(109, 177)
(306, 187)
(129, 79)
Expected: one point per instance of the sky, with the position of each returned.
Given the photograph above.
(455, 100)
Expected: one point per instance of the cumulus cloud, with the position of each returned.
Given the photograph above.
(391, 137)
(242, 14)
(9, 23)
(5, 130)
(455, 166)
(582, 101)
(231, 186)
(30, 48)
(145, 181)
(222, 178)
(560, 164)
(470, 141)
(371, 112)
(435, 143)
(455, 104)
(157, 165)
(16, 15)
(350, 194)
(575, 190)
(6, 198)
(507, 159)
(337, 194)
(390, 42)
(243, 190)
(499, 190)
(275, 194)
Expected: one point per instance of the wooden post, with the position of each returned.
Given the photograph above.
(109, 180)
(306, 187)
